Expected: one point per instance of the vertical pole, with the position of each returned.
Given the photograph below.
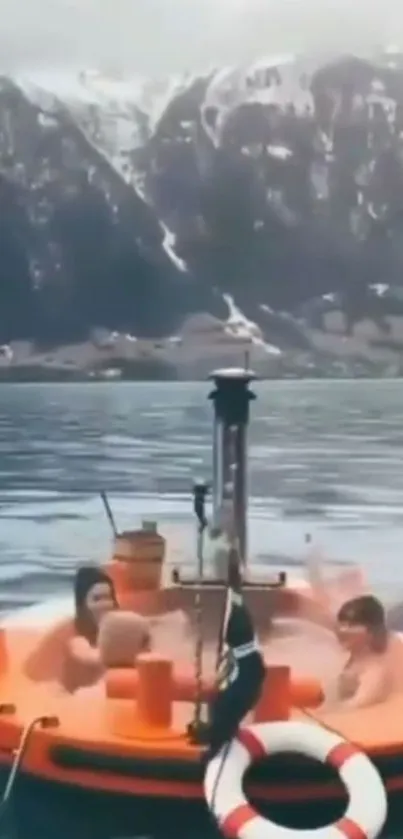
(231, 397)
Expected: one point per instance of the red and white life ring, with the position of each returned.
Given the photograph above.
(367, 807)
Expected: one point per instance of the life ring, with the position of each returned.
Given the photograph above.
(367, 807)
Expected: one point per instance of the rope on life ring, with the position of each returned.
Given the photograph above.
(367, 808)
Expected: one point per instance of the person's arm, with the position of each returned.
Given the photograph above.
(314, 571)
(329, 595)
(372, 688)
(82, 652)
(312, 610)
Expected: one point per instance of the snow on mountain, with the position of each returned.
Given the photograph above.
(278, 183)
(279, 81)
(118, 114)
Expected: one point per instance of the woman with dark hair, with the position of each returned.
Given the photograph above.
(368, 676)
(94, 597)
(104, 636)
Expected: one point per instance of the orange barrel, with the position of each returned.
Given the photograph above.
(137, 559)
(154, 691)
(275, 699)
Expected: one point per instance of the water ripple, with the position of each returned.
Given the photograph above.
(324, 456)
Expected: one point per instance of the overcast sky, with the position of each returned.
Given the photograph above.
(160, 36)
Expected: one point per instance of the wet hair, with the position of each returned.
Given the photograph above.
(366, 611)
(86, 578)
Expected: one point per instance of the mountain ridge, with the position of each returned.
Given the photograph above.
(133, 204)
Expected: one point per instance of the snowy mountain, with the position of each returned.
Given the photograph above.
(277, 188)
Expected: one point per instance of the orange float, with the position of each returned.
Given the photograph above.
(122, 683)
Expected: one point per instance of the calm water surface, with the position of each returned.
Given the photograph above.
(325, 457)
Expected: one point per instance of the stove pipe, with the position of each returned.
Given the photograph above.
(231, 398)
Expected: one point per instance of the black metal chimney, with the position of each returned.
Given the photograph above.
(231, 398)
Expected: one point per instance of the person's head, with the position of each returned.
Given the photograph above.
(361, 625)
(94, 597)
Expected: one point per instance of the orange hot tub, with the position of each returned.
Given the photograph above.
(127, 735)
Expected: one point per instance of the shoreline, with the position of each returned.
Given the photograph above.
(191, 357)
(44, 375)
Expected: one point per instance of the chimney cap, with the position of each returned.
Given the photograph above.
(233, 374)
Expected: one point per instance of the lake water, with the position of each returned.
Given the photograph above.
(325, 458)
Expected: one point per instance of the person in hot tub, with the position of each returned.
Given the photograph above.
(88, 653)
(374, 666)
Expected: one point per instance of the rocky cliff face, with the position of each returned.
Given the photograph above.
(132, 204)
